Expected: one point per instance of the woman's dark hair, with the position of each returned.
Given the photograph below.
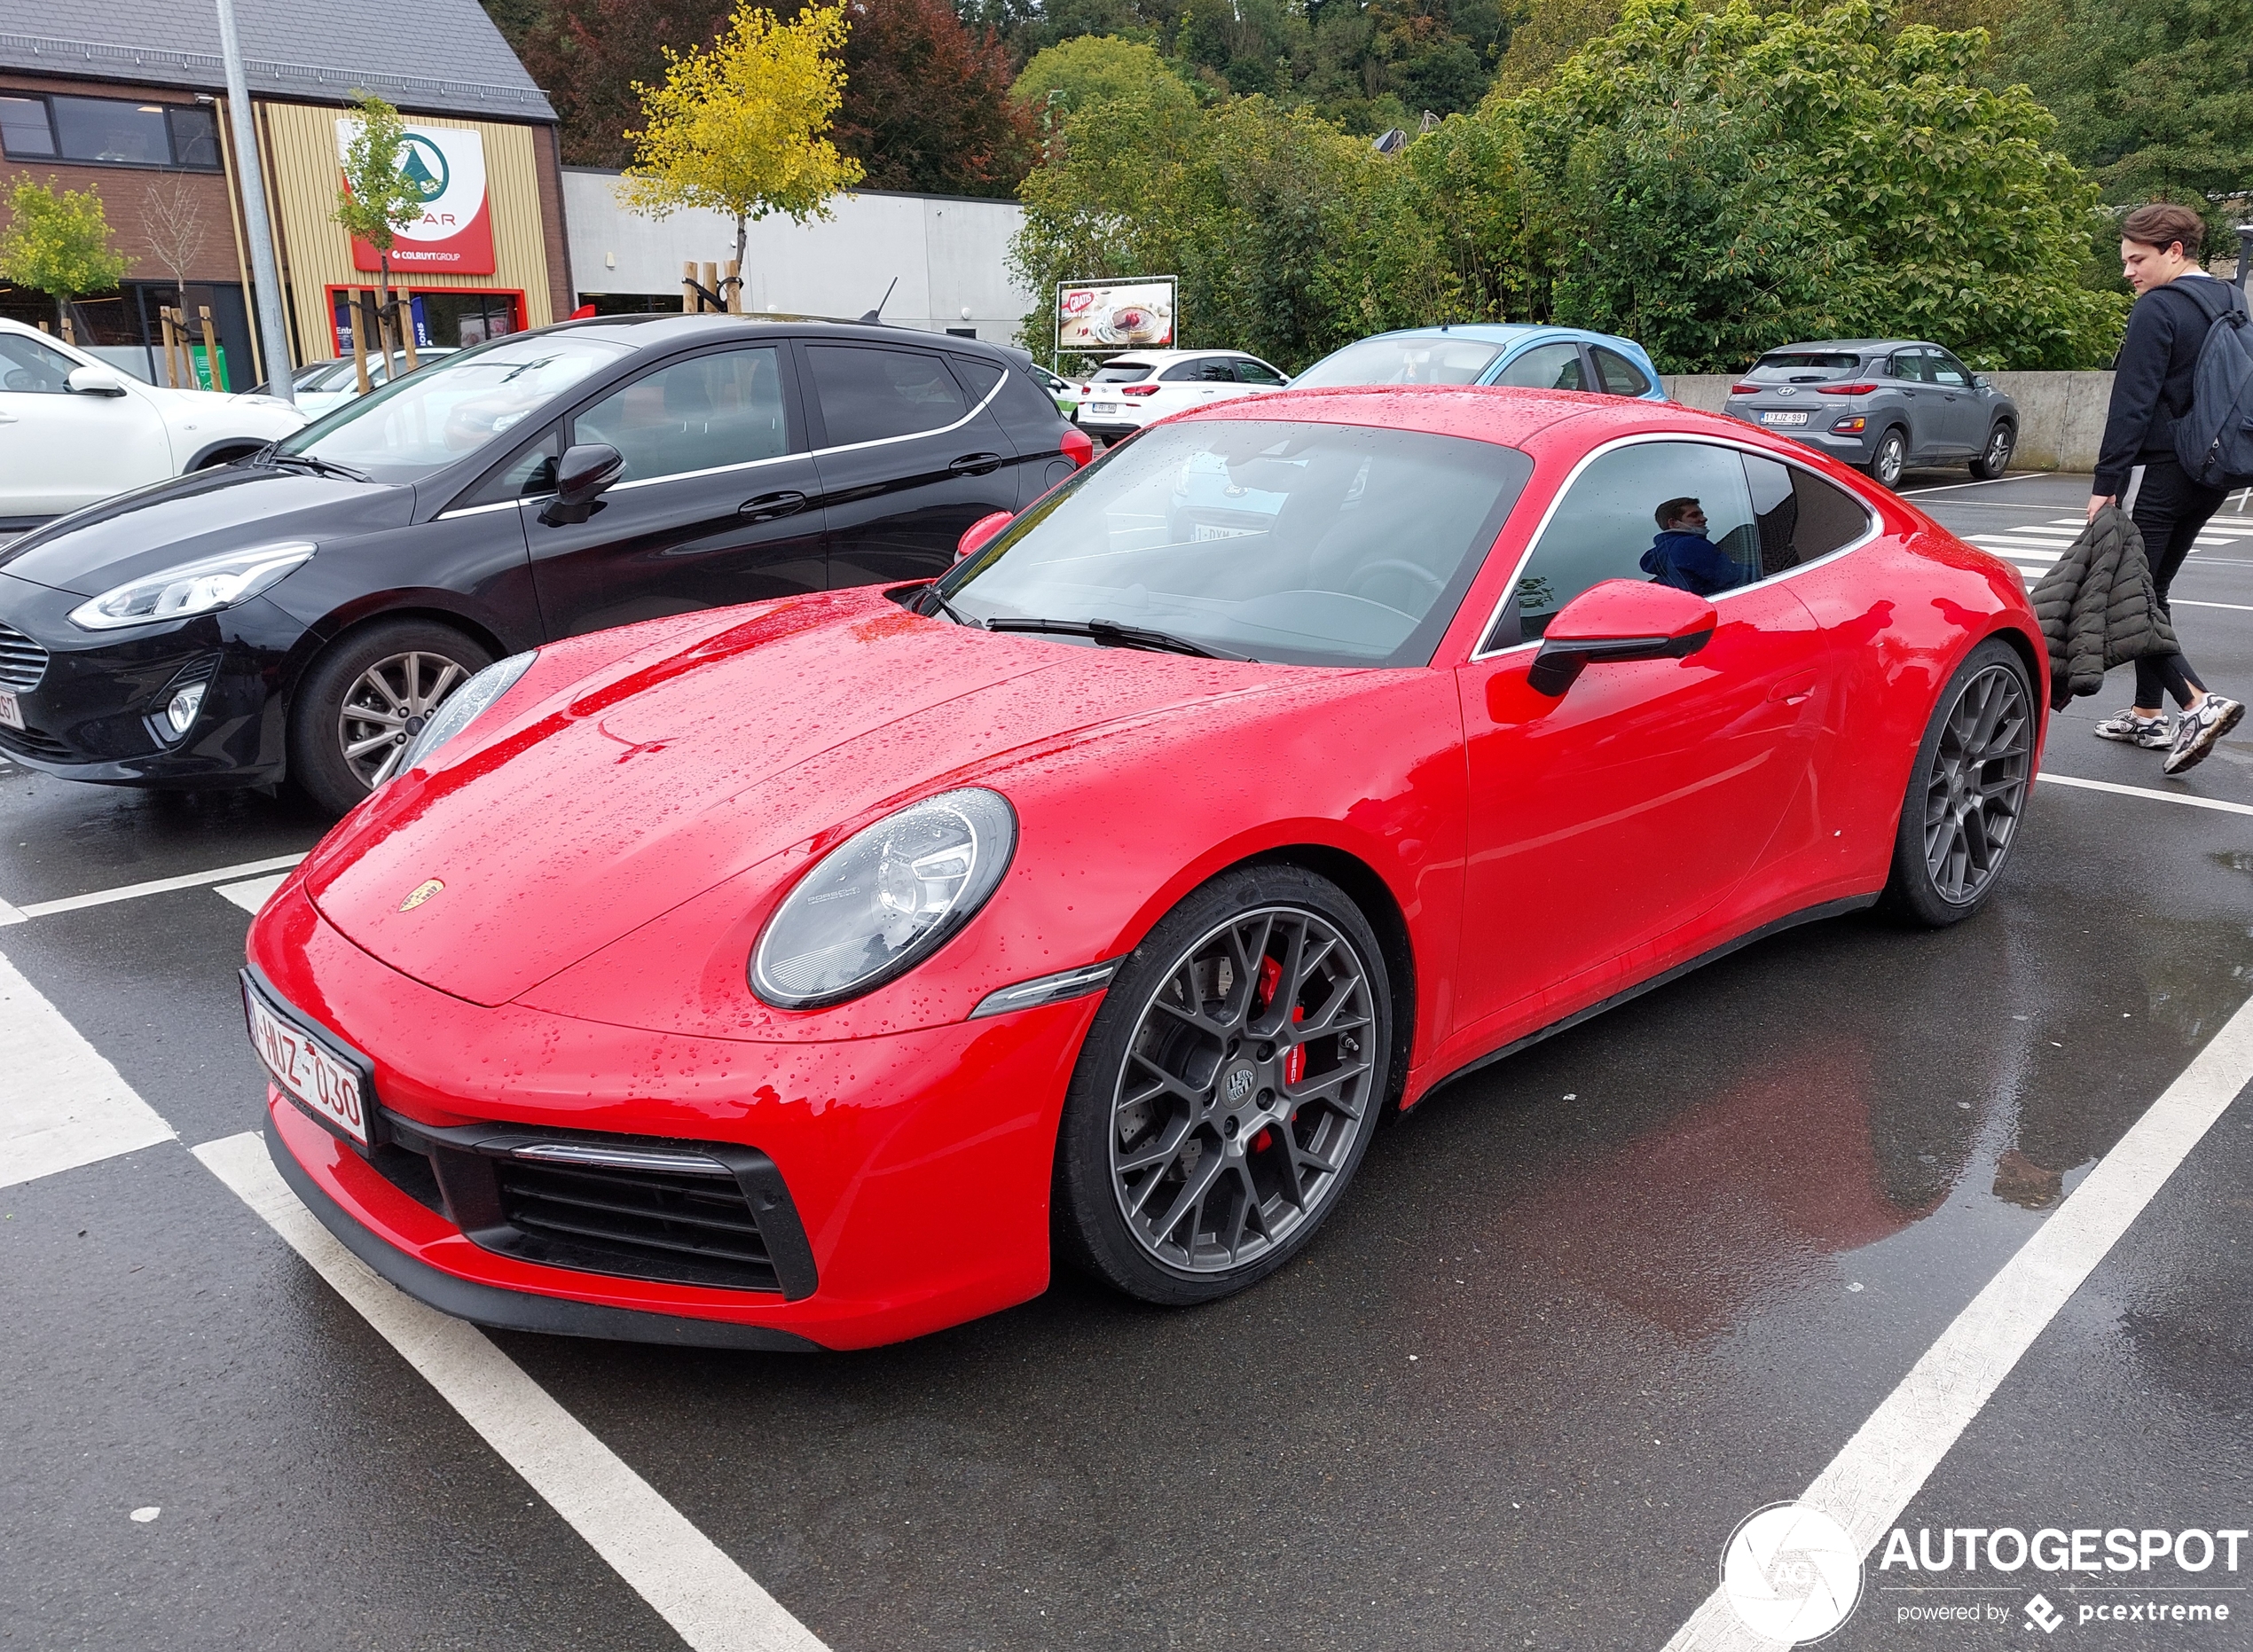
(2162, 224)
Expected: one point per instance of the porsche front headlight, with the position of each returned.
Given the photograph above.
(884, 899)
(200, 587)
(462, 708)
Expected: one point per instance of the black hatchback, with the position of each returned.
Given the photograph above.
(301, 613)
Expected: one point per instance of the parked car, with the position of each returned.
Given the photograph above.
(324, 386)
(1534, 358)
(1128, 392)
(74, 429)
(827, 962)
(1882, 405)
(1062, 391)
(302, 615)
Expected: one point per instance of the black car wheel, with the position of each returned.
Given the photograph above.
(1890, 460)
(1995, 458)
(1966, 793)
(364, 701)
(1227, 1090)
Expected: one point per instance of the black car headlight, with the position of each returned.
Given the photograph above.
(200, 587)
(461, 708)
(884, 899)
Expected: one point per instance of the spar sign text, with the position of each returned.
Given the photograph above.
(447, 163)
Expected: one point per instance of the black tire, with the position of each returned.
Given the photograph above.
(338, 705)
(1966, 792)
(1995, 458)
(1204, 1090)
(1890, 458)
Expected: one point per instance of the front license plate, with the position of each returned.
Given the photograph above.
(326, 1085)
(1782, 419)
(11, 713)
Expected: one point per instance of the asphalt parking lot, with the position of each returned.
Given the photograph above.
(1582, 1314)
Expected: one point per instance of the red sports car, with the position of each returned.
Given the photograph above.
(812, 974)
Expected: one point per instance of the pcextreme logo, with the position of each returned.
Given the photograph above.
(1790, 1573)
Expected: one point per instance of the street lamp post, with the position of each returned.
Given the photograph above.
(273, 331)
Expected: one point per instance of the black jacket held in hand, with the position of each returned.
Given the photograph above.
(2151, 378)
(2098, 608)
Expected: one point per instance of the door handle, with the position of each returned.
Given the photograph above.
(767, 506)
(976, 464)
(1793, 690)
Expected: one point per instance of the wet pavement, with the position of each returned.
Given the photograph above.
(1581, 1313)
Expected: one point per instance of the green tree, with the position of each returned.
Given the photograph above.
(386, 187)
(739, 128)
(1079, 74)
(57, 242)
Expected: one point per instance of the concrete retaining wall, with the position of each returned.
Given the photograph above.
(2060, 414)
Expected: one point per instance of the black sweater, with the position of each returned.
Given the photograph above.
(2152, 378)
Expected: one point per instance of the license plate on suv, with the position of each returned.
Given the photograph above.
(11, 713)
(1104, 407)
(329, 1085)
(1794, 418)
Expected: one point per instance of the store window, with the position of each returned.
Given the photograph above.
(109, 131)
(446, 320)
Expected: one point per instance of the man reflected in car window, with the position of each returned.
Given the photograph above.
(1682, 557)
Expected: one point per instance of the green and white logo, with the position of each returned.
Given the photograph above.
(423, 164)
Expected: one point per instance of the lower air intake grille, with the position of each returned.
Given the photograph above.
(657, 1224)
(32, 743)
(22, 661)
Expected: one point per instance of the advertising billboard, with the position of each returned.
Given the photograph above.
(447, 165)
(1095, 319)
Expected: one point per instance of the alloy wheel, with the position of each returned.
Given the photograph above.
(1893, 454)
(1245, 1088)
(1998, 450)
(387, 706)
(1975, 789)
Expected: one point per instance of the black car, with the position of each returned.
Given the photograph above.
(300, 615)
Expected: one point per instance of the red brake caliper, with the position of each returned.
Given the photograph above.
(1294, 1059)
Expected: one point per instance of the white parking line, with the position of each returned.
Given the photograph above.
(711, 1602)
(1882, 1467)
(253, 893)
(2185, 602)
(62, 1105)
(134, 891)
(2184, 798)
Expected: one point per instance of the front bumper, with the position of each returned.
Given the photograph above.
(90, 700)
(917, 1165)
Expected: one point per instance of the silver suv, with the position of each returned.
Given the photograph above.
(1880, 404)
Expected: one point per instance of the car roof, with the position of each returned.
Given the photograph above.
(1850, 344)
(666, 328)
(1501, 333)
(1158, 358)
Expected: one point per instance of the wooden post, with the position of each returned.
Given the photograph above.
(711, 283)
(171, 344)
(404, 305)
(359, 338)
(689, 302)
(70, 332)
(733, 289)
(210, 346)
(183, 368)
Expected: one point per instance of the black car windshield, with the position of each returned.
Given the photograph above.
(1419, 359)
(1805, 366)
(429, 419)
(1310, 543)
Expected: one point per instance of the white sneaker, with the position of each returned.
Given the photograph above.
(2196, 731)
(2151, 733)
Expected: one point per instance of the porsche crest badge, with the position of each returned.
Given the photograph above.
(420, 893)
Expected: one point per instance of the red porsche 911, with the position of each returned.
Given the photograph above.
(815, 974)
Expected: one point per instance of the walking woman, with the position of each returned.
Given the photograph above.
(2175, 303)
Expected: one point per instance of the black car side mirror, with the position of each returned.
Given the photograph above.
(1620, 619)
(587, 470)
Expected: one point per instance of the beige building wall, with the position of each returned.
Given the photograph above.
(300, 141)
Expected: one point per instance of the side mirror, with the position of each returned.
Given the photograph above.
(94, 381)
(981, 534)
(587, 470)
(1620, 619)
(1981, 381)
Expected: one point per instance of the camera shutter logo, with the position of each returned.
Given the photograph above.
(1790, 1573)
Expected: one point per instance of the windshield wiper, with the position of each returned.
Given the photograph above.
(318, 466)
(951, 611)
(1111, 634)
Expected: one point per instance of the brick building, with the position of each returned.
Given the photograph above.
(128, 100)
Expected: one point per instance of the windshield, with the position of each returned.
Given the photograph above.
(1316, 544)
(1412, 360)
(404, 432)
(1805, 366)
(1119, 372)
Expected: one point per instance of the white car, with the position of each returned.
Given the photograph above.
(74, 429)
(1141, 388)
(326, 384)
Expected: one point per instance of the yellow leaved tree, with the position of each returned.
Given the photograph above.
(738, 129)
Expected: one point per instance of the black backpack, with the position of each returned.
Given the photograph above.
(2214, 440)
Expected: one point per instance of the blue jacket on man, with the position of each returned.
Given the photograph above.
(1691, 562)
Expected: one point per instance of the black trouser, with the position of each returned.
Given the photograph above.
(2170, 508)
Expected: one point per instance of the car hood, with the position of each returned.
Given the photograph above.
(232, 508)
(613, 796)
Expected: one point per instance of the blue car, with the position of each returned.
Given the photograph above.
(1538, 358)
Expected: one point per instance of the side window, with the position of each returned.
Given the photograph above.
(527, 476)
(700, 414)
(1620, 376)
(1775, 513)
(1947, 370)
(27, 366)
(1546, 367)
(1249, 370)
(1021, 399)
(1607, 526)
(1911, 366)
(1829, 517)
(975, 374)
(872, 394)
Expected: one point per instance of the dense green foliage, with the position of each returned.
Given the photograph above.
(1710, 183)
